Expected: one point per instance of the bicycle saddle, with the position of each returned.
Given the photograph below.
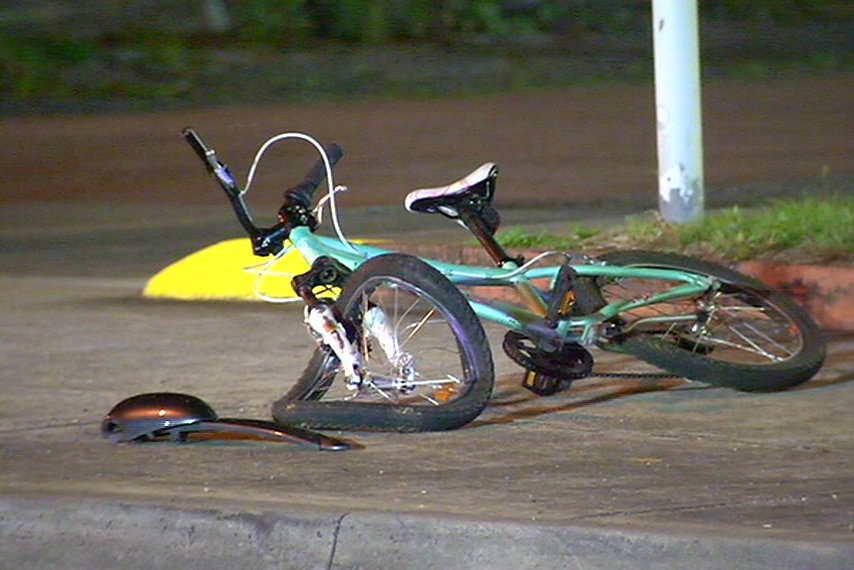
(445, 200)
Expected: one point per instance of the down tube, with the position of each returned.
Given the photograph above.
(312, 246)
(518, 318)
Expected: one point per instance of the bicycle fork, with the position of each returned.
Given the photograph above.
(329, 330)
(321, 319)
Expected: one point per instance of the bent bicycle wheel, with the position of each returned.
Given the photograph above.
(426, 364)
(746, 335)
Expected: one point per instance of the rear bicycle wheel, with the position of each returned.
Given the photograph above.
(746, 336)
(426, 359)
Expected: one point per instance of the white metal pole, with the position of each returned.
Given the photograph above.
(678, 110)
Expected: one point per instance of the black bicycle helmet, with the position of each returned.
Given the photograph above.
(146, 417)
(149, 416)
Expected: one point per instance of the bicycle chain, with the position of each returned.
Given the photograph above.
(630, 375)
(531, 358)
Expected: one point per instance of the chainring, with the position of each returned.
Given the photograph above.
(569, 362)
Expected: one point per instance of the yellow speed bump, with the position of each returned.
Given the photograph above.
(227, 271)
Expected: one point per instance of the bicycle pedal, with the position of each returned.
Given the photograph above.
(543, 384)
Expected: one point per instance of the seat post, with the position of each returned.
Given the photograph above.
(473, 220)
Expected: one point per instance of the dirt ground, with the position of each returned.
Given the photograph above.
(577, 145)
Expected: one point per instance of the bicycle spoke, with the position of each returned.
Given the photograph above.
(408, 347)
(736, 323)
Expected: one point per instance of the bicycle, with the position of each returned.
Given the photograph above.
(400, 340)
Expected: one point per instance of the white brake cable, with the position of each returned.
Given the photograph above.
(264, 270)
(331, 188)
(333, 214)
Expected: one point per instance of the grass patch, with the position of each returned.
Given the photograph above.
(579, 236)
(32, 65)
(807, 230)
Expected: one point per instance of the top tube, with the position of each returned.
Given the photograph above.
(312, 246)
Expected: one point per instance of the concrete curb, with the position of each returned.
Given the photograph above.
(827, 292)
(64, 532)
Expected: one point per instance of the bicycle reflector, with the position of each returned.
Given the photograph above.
(167, 415)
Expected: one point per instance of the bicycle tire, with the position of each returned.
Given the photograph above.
(448, 333)
(796, 347)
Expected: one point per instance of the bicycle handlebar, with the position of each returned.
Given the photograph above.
(212, 163)
(298, 199)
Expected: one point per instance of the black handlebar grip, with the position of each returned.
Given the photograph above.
(303, 193)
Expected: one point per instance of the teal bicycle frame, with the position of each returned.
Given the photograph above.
(584, 329)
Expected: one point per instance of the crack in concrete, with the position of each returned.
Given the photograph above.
(335, 533)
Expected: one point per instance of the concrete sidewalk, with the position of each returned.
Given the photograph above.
(614, 473)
